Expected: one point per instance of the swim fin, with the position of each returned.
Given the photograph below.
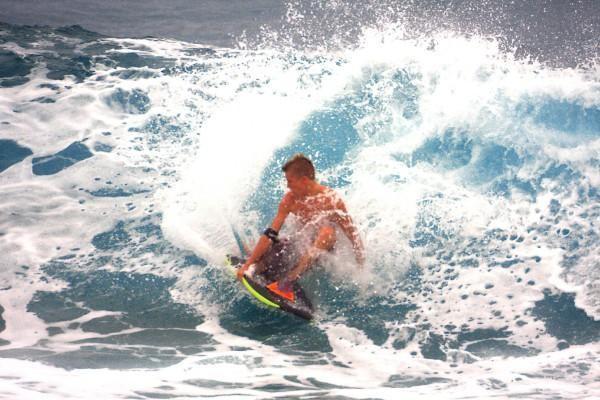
(286, 294)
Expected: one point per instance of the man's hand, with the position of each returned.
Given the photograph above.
(360, 258)
(359, 253)
(241, 270)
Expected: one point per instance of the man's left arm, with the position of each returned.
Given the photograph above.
(347, 225)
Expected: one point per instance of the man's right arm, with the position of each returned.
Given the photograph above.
(264, 242)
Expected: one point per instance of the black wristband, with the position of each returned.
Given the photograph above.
(272, 234)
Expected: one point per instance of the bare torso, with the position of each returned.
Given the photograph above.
(316, 210)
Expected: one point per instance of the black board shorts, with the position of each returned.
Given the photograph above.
(279, 259)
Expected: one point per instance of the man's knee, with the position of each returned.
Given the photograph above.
(325, 238)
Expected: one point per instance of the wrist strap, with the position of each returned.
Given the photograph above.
(272, 234)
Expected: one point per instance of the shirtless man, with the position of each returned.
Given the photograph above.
(317, 208)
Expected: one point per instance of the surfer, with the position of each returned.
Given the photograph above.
(318, 210)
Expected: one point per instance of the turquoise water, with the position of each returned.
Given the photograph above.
(124, 164)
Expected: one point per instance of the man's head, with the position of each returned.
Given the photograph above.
(299, 165)
(299, 172)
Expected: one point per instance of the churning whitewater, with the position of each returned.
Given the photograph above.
(126, 165)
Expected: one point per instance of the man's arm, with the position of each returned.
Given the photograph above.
(264, 242)
(345, 222)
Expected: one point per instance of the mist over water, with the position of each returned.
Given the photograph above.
(469, 159)
(558, 32)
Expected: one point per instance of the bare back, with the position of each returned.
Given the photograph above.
(323, 207)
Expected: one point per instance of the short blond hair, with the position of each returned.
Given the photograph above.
(300, 165)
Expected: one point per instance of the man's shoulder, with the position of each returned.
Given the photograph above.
(326, 190)
(333, 196)
(287, 201)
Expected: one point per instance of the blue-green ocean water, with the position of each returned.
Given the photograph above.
(125, 164)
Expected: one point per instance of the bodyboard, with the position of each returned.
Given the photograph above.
(256, 284)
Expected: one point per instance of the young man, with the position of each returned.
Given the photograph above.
(318, 210)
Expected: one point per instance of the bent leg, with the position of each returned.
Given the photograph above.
(276, 262)
(324, 242)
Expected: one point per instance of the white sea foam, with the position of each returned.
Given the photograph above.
(238, 375)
